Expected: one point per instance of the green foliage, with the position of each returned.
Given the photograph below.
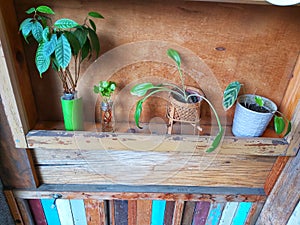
(146, 90)
(105, 88)
(259, 101)
(61, 41)
(230, 94)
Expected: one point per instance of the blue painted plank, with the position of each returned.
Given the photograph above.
(241, 213)
(215, 214)
(228, 213)
(50, 212)
(295, 217)
(158, 212)
(64, 212)
(121, 212)
(78, 211)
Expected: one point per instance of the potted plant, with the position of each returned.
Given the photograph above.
(253, 113)
(58, 44)
(181, 93)
(106, 89)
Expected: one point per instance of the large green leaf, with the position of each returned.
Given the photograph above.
(138, 111)
(37, 31)
(279, 124)
(81, 35)
(94, 41)
(44, 9)
(86, 49)
(173, 54)
(25, 22)
(92, 24)
(289, 128)
(216, 141)
(95, 15)
(26, 27)
(65, 23)
(63, 53)
(141, 89)
(230, 94)
(74, 42)
(45, 34)
(50, 46)
(42, 63)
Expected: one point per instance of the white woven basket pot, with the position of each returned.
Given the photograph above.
(249, 123)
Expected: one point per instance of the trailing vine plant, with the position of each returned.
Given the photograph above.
(61, 41)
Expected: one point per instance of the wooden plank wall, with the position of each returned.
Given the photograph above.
(133, 212)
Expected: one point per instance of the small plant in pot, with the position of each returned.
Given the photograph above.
(59, 43)
(106, 89)
(180, 93)
(253, 113)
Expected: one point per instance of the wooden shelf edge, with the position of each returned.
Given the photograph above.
(53, 139)
(145, 192)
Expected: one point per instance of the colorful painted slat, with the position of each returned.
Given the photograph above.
(241, 213)
(295, 217)
(201, 213)
(37, 211)
(51, 213)
(144, 211)
(215, 213)
(95, 212)
(228, 213)
(121, 212)
(158, 212)
(188, 213)
(78, 211)
(132, 212)
(64, 212)
(169, 211)
(178, 211)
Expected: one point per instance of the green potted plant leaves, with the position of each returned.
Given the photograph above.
(58, 44)
(106, 89)
(182, 93)
(253, 113)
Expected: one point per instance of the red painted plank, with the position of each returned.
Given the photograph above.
(201, 213)
(169, 211)
(37, 211)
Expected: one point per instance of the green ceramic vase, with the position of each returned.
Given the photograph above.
(72, 113)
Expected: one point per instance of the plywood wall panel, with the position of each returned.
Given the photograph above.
(259, 44)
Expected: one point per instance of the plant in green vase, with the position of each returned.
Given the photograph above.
(181, 92)
(253, 113)
(106, 89)
(59, 43)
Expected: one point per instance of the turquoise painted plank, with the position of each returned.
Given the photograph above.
(241, 213)
(295, 217)
(158, 212)
(215, 213)
(50, 212)
(228, 213)
(64, 212)
(78, 211)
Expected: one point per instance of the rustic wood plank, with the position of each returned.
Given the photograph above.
(37, 211)
(92, 208)
(178, 212)
(228, 213)
(121, 212)
(169, 212)
(284, 196)
(64, 211)
(175, 143)
(185, 169)
(50, 211)
(144, 209)
(294, 219)
(201, 213)
(111, 212)
(15, 212)
(103, 212)
(241, 214)
(188, 213)
(78, 211)
(132, 213)
(215, 213)
(25, 211)
(254, 213)
(158, 212)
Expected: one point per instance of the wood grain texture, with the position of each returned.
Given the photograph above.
(178, 212)
(144, 209)
(186, 169)
(14, 210)
(284, 196)
(37, 211)
(188, 213)
(94, 210)
(132, 213)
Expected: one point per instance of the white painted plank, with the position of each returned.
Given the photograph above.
(78, 210)
(295, 217)
(228, 213)
(64, 212)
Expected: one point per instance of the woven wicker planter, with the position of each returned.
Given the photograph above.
(183, 111)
